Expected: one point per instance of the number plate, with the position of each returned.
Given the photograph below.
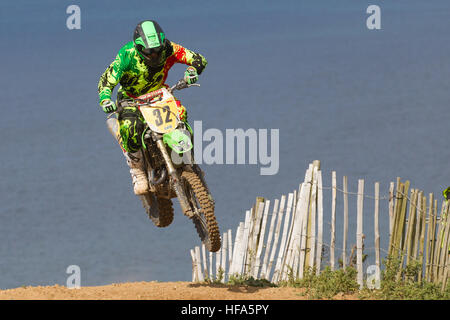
(161, 116)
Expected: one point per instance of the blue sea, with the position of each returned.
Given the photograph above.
(369, 104)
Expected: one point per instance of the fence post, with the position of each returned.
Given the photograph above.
(444, 254)
(430, 237)
(423, 216)
(319, 222)
(410, 227)
(344, 239)
(359, 233)
(401, 230)
(230, 252)
(376, 231)
(391, 208)
(437, 247)
(312, 220)
(408, 245)
(418, 225)
(395, 218)
(303, 223)
(333, 218)
(311, 217)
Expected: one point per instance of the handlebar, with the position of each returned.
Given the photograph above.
(180, 85)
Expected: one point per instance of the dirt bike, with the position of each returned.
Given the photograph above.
(170, 166)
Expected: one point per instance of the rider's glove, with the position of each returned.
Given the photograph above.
(108, 106)
(191, 75)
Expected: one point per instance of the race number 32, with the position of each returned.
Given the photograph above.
(159, 120)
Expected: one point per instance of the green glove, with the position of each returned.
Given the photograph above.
(446, 193)
(191, 75)
(108, 106)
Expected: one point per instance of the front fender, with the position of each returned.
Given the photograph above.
(178, 141)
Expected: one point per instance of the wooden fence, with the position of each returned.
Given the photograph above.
(285, 238)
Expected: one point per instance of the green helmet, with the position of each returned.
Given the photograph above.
(149, 40)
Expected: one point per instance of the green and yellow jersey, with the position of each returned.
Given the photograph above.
(137, 78)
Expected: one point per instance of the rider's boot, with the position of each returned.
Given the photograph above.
(136, 163)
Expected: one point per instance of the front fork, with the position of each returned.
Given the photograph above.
(176, 181)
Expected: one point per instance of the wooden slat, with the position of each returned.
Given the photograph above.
(235, 267)
(218, 260)
(408, 245)
(224, 249)
(264, 274)
(204, 257)
(276, 237)
(194, 266)
(230, 252)
(245, 241)
(198, 263)
(294, 246)
(278, 267)
(260, 241)
(248, 256)
(211, 274)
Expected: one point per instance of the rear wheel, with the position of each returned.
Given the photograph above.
(202, 206)
(159, 210)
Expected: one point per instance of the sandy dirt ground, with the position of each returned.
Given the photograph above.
(157, 291)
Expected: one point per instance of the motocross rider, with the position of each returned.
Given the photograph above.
(141, 66)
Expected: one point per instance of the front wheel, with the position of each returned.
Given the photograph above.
(202, 206)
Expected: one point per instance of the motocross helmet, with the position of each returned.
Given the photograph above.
(149, 40)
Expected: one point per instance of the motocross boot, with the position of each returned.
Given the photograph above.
(136, 163)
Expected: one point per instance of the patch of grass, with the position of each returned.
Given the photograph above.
(244, 280)
(403, 284)
(218, 279)
(396, 283)
(327, 284)
(239, 280)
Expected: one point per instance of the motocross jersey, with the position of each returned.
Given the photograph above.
(137, 78)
